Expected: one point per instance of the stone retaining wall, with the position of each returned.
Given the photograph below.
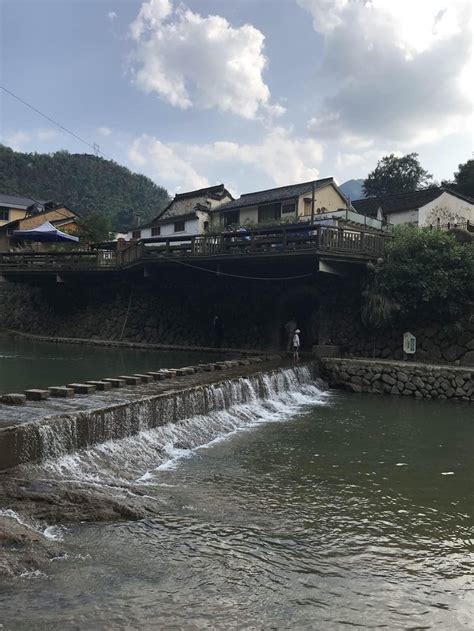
(400, 378)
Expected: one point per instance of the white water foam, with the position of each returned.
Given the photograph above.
(236, 406)
(53, 533)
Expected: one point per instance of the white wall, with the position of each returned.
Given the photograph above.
(192, 226)
(404, 216)
(447, 208)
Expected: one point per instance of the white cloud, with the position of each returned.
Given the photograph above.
(163, 163)
(392, 69)
(277, 159)
(191, 60)
(17, 140)
(104, 131)
(47, 134)
(112, 15)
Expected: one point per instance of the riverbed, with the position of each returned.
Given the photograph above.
(311, 510)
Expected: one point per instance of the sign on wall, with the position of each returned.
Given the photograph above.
(409, 343)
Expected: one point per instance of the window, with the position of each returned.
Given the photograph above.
(231, 218)
(136, 234)
(179, 226)
(269, 212)
(308, 205)
(206, 226)
(288, 208)
(4, 213)
(155, 231)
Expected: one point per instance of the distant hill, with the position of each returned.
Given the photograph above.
(353, 189)
(83, 182)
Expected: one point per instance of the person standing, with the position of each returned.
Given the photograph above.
(296, 346)
(290, 328)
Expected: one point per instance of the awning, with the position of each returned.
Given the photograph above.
(45, 232)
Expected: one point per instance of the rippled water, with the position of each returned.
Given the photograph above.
(331, 512)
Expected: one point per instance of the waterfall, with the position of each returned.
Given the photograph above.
(124, 442)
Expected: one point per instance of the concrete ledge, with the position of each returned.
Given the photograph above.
(144, 378)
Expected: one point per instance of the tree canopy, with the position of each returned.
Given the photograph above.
(394, 175)
(83, 182)
(464, 178)
(425, 274)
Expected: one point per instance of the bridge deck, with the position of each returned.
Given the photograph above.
(343, 244)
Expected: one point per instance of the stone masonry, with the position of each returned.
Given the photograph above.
(400, 378)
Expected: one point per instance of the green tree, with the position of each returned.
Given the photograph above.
(425, 274)
(95, 228)
(464, 178)
(394, 175)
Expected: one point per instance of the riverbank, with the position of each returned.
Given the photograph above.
(429, 381)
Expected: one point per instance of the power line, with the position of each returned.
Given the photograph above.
(93, 146)
(218, 273)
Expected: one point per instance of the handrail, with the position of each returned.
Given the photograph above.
(272, 240)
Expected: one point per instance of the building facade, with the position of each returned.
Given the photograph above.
(286, 203)
(436, 207)
(13, 208)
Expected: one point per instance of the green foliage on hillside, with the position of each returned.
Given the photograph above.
(85, 183)
(425, 275)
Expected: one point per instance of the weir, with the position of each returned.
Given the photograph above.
(54, 436)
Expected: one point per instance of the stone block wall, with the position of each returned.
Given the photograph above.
(400, 378)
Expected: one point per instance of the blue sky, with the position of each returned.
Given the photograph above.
(250, 93)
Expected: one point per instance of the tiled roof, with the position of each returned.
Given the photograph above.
(273, 194)
(404, 201)
(12, 201)
(217, 190)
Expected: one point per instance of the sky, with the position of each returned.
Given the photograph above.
(251, 93)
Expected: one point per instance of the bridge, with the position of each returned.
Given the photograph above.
(293, 246)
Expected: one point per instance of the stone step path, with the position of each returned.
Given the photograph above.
(109, 383)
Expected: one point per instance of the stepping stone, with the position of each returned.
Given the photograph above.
(82, 388)
(206, 367)
(116, 383)
(36, 395)
(157, 376)
(61, 391)
(169, 373)
(101, 385)
(130, 380)
(145, 378)
(13, 399)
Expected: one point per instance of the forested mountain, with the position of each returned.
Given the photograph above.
(353, 189)
(84, 182)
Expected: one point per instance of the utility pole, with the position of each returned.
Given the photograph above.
(312, 201)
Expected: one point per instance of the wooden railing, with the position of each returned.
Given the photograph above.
(287, 240)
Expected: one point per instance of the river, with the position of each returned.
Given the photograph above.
(29, 363)
(311, 510)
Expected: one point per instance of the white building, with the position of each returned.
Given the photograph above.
(186, 214)
(437, 207)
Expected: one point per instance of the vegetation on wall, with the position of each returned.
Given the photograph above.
(85, 183)
(394, 175)
(425, 275)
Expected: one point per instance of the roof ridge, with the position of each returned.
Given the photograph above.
(276, 188)
(420, 190)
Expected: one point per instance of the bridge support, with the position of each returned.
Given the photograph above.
(59, 278)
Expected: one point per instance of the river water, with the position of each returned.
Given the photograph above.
(310, 510)
(29, 363)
